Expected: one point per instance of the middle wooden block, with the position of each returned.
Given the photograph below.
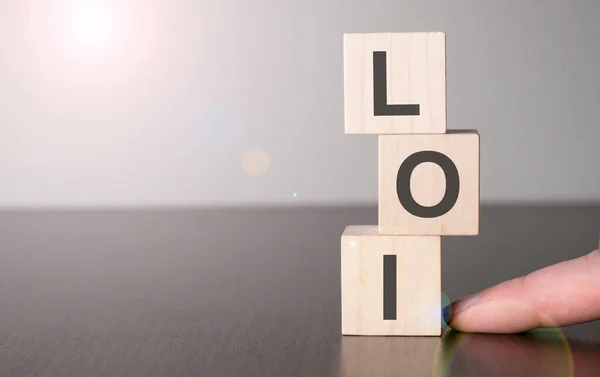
(429, 184)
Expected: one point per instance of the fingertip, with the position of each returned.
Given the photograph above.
(466, 302)
(499, 317)
(453, 311)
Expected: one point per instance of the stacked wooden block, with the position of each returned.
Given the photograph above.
(395, 87)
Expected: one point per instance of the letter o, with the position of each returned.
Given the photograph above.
(403, 184)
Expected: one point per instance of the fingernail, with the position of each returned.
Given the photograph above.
(465, 303)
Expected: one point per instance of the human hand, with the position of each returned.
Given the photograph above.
(563, 294)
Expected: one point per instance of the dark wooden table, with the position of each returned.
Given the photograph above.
(256, 292)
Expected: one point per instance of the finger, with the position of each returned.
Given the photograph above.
(564, 294)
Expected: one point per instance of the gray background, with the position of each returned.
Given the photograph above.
(167, 119)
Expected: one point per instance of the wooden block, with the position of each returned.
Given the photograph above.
(391, 285)
(390, 356)
(429, 184)
(395, 83)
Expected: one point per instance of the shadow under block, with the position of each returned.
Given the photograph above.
(429, 184)
(395, 83)
(391, 285)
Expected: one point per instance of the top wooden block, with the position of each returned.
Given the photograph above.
(395, 83)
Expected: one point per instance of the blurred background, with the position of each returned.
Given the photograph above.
(149, 103)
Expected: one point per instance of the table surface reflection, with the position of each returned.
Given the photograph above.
(255, 292)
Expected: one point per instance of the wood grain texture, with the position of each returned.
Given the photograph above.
(416, 74)
(428, 184)
(418, 283)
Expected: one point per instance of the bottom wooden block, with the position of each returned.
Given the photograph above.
(391, 285)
